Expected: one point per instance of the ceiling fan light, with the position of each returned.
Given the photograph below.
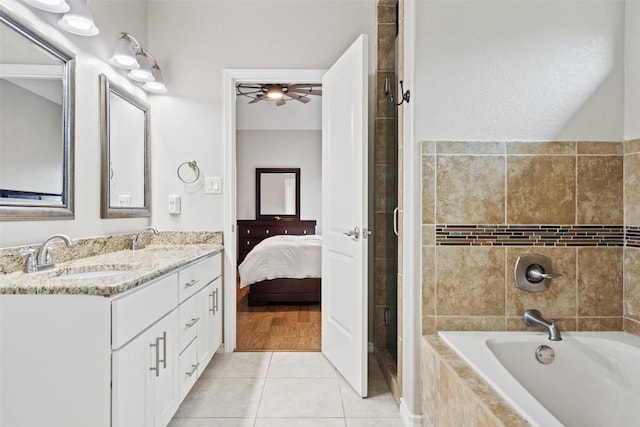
(157, 85)
(55, 6)
(274, 92)
(78, 19)
(123, 55)
(142, 74)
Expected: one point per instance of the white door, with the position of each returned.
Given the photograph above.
(344, 213)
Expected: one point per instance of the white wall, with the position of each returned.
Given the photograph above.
(280, 149)
(519, 70)
(195, 41)
(632, 70)
(92, 53)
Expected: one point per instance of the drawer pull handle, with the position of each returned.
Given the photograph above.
(191, 283)
(193, 370)
(164, 350)
(157, 367)
(193, 322)
(214, 294)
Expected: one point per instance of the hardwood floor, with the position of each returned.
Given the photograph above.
(286, 327)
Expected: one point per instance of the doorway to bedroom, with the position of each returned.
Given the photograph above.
(278, 211)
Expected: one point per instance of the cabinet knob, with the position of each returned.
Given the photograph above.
(304, 232)
(248, 242)
(286, 231)
(248, 231)
(267, 231)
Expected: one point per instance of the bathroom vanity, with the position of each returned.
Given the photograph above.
(112, 340)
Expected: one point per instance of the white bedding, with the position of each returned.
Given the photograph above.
(277, 257)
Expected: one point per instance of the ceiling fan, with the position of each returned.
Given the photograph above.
(279, 93)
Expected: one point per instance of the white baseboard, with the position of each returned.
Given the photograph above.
(409, 419)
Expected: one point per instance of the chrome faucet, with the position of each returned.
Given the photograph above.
(534, 318)
(42, 260)
(137, 242)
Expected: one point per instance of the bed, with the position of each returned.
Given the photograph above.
(283, 268)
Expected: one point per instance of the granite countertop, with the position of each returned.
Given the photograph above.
(133, 269)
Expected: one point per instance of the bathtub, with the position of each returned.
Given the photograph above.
(593, 381)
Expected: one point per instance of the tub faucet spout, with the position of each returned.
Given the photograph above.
(534, 318)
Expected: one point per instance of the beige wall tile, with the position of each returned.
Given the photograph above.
(470, 189)
(454, 147)
(632, 146)
(385, 145)
(428, 280)
(632, 189)
(600, 283)
(541, 190)
(386, 188)
(557, 301)
(470, 281)
(604, 147)
(386, 47)
(428, 190)
(429, 375)
(386, 11)
(471, 323)
(632, 326)
(428, 147)
(547, 147)
(384, 239)
(600, 188)
(428, 324)
(428, 235)
(600, 323)
(632, 283)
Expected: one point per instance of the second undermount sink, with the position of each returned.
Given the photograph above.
(92, 272)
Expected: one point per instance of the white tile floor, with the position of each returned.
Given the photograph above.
(283, 390)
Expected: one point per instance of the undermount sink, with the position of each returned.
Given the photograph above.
(91, 273)
(168, 248)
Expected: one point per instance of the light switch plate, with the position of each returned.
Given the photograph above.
(212, 184)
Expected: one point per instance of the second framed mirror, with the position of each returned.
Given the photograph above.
(277, 193)
(126, 169)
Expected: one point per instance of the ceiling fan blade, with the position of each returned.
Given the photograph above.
(305, 92)
(259, 98)
(302, 99)
(304, 85)
(280, 102)
(250, 93)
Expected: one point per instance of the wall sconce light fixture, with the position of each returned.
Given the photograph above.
(129, 55)
(406, 95)
(77, 18)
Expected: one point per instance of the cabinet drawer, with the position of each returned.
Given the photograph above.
(299, 230)
(195, 277)
(189, 319)
(188, 368)
(257, 231)
(133, 313)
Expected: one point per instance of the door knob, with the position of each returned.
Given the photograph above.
(355, 233)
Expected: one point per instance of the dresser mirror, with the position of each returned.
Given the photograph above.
(36, 124)
(126, 189)
(277, 193)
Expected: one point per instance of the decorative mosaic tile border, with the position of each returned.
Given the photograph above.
(632, 236)
(531, 235)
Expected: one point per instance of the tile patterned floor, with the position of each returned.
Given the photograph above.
(279, 389)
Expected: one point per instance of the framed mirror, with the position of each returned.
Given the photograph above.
(126, 160)
(277, 193)
(37, 89)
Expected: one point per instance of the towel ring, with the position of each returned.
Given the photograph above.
(194, 167)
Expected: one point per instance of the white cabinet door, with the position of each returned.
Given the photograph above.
(165, 382)
(145, 388)
(131, 383)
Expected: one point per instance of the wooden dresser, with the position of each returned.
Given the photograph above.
(251, 232)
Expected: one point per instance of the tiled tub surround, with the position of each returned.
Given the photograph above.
(632, 249)
(453, 394)
(486, 203)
